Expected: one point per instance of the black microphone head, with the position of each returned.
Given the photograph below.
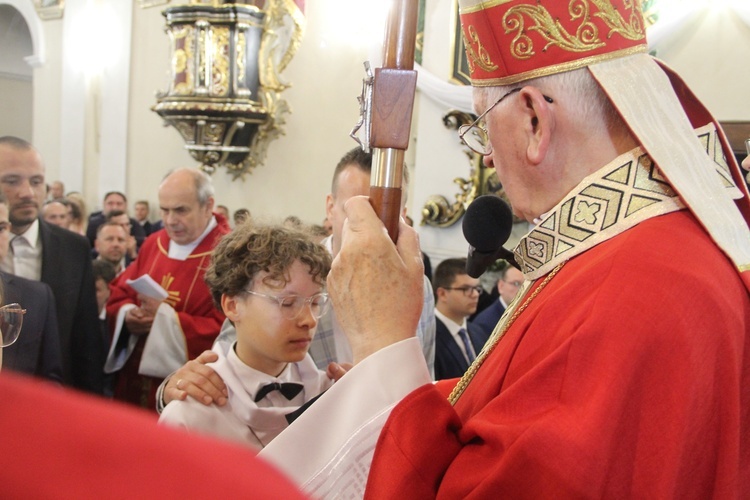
(487, 223)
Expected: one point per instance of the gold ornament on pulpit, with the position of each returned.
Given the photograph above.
(224, 96)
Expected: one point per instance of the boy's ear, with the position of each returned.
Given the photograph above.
(229, 306)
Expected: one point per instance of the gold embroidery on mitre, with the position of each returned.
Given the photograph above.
(558, 68)
(632, 29)
(480, 57)
(522, 47)
(586, 37)
(471, 6)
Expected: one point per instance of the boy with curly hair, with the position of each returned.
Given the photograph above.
(270, 283)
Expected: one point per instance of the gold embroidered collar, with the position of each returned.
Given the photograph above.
(617, 197)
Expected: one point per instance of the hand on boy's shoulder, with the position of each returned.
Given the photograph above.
(337, 370)
(198, 381)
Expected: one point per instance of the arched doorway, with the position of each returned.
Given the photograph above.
(20, 37)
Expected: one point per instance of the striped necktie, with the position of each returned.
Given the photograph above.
(467, 344)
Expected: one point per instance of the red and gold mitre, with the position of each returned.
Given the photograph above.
(509, 41)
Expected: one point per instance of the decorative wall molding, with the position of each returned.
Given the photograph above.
(49, 9)
(15, 76)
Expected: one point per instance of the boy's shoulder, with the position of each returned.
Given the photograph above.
(190, 412)
(314, 380)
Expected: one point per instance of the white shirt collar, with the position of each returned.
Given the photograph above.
(32, 233)
(182, 252)
(252, 380)
(452, 326)
(25, 259)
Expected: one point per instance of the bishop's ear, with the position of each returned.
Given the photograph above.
(540, 125)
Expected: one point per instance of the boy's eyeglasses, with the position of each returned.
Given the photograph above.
(291, 305)
(11, 319)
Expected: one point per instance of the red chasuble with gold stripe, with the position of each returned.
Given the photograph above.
(199, 319)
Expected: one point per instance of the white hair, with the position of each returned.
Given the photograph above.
(576, 90)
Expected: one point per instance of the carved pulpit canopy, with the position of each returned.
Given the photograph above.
(224, 95)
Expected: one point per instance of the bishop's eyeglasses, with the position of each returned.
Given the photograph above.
(475, 134)
(291, 305)
(11, 319)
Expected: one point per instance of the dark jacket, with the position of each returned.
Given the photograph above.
(37, 350)
(449, 360)
(66, 268)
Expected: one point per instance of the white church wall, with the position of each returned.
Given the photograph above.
(711, 53)
(326, 77)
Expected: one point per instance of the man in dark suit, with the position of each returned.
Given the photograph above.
(37, 349)
(114, 200)
(119, 247)
(456, 342)
(142, 210)
(55, 256)
(508, 285)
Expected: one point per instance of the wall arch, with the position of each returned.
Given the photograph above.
(36, 30)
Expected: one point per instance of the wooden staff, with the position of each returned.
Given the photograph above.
(392, 102)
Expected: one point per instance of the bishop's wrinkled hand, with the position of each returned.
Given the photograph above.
(376, 287)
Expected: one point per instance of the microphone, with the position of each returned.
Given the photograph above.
(487, 225)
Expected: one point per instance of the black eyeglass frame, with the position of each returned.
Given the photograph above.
(466, 289)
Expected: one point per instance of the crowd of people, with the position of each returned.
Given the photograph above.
(593, 373)
(139, 340)
(122, 249)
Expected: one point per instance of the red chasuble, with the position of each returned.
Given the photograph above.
(199, 319)
(627, 376)
(62, 444)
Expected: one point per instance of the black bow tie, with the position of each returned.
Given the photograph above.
(288, 389)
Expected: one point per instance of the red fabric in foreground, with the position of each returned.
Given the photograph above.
(61, 444)
(626, 377)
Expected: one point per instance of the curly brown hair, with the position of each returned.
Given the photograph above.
(252, 248)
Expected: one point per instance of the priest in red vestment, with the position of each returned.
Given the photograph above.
(622, 368)
(154, 336)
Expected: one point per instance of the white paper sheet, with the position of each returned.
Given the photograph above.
(147, 286)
